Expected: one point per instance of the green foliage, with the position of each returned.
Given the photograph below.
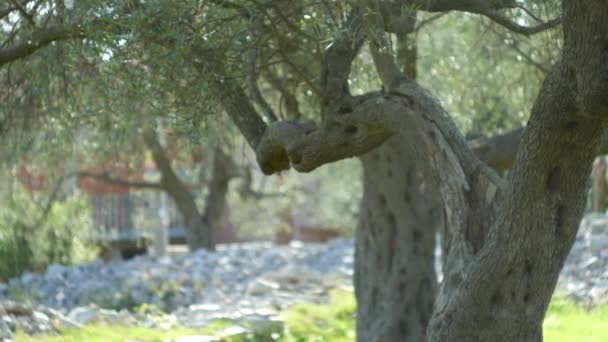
(61, 238)
(486, 77)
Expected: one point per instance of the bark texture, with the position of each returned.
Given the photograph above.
(395, 278)
(503, 291)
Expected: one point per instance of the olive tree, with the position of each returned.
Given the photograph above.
(504, 239)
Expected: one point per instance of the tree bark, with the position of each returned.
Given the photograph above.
(502, 291)
(395, 277)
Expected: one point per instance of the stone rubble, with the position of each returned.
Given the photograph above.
(585, 274)
(246, 284)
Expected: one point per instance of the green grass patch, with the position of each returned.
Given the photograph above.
(334, 321)
(567, 322)
(117, 332)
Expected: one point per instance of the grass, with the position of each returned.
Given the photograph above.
(334, 321)
(117, 332)
(566, 322)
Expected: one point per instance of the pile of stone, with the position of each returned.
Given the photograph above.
(33, 319)
(585, 274)
(235, 277)
(247, 284)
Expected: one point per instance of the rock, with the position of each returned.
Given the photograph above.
(6, 333)
(27, 318)
(40, 317)
(9, 322)
(598, 243)
(232, 332)
(599, 295)
(64, 322)
(56, 272)
(205, 307)
(262, 287)
(83, 314)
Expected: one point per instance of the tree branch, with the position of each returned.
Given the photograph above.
(336, 64)
(304, 147)
(499, 151)
(429, 20)
(474, 6)
(105, 177)
(515, 27)
(51, 200)
(240, 110)
(252, 75)
(38, 40)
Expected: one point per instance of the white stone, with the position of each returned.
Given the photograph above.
(599, 294)
(40, 317)
(83, 314)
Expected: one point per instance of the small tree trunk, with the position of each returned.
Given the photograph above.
(198, 233)
(216, 202)
(395, 279)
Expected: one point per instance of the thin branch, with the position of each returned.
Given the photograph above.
(429, 20)
(38, 40)
(529, 59)
(528, 12)
(515, 27)
(300, 73)
(499, 151)
(252, 76)
(287, 98)
(105, 177)
(336, 65)
(474, 6)
(51, 200)
(230, 5)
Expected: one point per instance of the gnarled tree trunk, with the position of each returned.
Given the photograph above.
(505, 239)
(395, 277)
